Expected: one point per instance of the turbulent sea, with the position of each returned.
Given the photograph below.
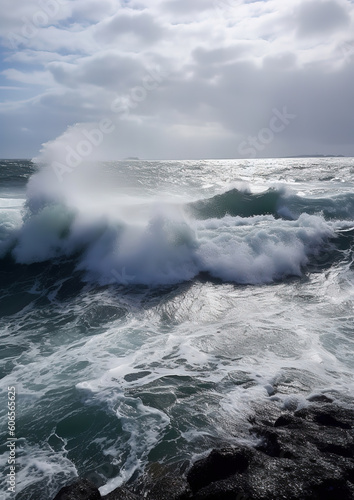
(147, 307)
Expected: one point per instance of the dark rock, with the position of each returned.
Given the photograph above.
(220, 464)
(305, 454)
(330, 415)
(337, 449)
(163, 482)
(269, 444)
(320, 398)
(284, 420)
(224, 490)
(331, 490)
(81, 489)
(121, 494)
(326, 419)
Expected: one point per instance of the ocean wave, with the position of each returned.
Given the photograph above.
(237, 203)
(279, 202)
(111, 236)
(170, 245)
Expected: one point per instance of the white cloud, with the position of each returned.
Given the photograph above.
(31, 78)
(316, 17)
(108, 70)
(139, 26)
(230, 62)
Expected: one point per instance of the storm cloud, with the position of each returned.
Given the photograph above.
(179, 79)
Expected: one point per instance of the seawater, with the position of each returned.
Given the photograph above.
(147, 307)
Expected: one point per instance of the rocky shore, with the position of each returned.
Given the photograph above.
(301, 454)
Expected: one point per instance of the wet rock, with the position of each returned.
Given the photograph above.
(81, 489)
(305, 454)
(330, 415)
(219, 465)
(284, 420)
(121, 494)
(320, 398)
(163, 482)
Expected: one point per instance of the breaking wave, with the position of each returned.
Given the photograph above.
(236, 236)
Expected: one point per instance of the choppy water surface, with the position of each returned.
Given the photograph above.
(146, 307)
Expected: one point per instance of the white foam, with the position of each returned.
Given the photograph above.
(11, 203)
(166, 247)
(39, 465)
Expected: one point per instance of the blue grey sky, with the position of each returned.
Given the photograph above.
(177, 78)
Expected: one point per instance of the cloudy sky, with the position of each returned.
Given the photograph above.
(177, 78)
